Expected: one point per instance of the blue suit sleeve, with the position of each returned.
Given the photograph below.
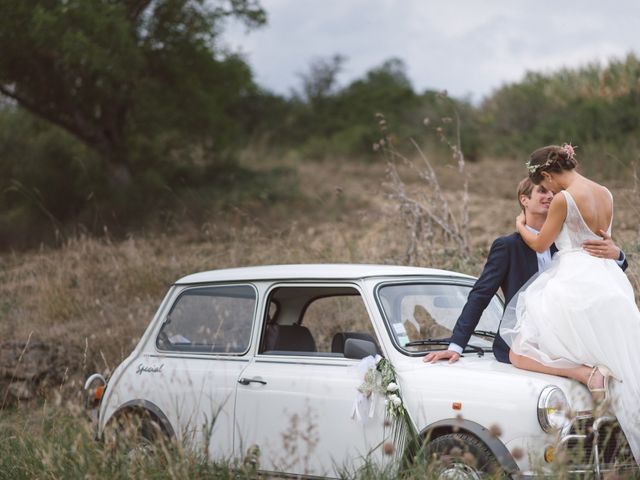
(487, 285)
(624, 263)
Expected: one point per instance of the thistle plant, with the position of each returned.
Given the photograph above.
(427, 213)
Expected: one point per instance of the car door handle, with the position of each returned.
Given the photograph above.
(247, 381)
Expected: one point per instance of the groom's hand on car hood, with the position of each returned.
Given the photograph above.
(442, 355)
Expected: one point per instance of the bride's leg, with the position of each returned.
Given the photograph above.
(580, 373)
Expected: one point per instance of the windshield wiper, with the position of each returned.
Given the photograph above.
(485, 333)
(445, 342)
(428, 341)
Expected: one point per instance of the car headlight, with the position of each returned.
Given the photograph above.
(554, 411)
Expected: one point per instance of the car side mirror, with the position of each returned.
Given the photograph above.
(358, 349)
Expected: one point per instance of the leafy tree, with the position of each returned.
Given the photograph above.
(595, 106)
(385, 88)
(48, 178)
(325, 119)
(123, 73)
(321, 80)
(328, 119)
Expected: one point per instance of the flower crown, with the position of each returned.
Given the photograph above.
(567, 147)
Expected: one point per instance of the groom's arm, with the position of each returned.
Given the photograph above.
(622, 261)
(606, 248)
(487, 285)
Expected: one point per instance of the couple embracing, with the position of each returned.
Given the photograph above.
(571, 310)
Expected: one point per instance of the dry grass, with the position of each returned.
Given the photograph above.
(56, 443)
(99, 294)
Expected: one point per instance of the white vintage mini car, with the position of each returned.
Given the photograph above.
(264, 361)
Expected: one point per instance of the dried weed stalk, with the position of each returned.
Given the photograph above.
(432, 224)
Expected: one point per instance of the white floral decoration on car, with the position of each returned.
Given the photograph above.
(379, 379)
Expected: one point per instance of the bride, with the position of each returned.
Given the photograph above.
(579, 314)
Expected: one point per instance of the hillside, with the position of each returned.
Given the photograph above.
(89, 301)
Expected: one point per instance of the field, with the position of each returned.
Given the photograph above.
(79, 308)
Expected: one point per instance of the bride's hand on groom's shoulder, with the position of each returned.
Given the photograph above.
(520, 220)
(441, 355)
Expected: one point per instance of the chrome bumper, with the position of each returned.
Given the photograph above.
(92, 400)
(599, 443)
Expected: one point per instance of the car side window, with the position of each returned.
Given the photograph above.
(210, 319)
(330, 318)
(315, 321)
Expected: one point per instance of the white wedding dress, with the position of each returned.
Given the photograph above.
(582, 311)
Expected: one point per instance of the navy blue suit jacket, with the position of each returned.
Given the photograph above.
(510, 264)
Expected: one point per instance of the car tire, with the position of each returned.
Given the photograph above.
(459, 456)
(135, 434)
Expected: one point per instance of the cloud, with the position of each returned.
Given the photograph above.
(465, 46)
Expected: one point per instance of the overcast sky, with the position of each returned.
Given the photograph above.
(468, 47)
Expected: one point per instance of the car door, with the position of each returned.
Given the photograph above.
(202, 347)
(294, 402)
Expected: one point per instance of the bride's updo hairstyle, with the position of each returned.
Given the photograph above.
(552, 158)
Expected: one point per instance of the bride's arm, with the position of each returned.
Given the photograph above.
(551, 228)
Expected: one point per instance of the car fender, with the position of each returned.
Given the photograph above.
(153, 409)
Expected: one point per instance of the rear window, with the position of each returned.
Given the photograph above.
(210, 319)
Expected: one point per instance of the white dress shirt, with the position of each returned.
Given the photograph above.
(544, 258)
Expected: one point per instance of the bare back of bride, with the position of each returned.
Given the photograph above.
(580, 313)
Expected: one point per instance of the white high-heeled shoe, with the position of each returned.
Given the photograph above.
(607, 374)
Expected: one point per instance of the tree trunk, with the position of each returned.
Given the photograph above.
(111, 144)
(119, 175)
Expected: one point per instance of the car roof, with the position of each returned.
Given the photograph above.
(313, 272)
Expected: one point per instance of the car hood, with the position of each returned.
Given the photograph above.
(480, 389)
(489, 375)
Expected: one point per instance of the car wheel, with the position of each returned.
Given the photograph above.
(135, 434)
(459, 456)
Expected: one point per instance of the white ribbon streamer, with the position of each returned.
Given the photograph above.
(364, 402)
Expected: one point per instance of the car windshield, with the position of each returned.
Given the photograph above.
(421, 311)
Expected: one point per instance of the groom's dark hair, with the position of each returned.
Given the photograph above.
(525, 188)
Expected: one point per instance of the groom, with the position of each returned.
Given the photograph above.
(510, 264)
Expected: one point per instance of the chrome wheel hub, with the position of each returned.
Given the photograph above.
(459, 471)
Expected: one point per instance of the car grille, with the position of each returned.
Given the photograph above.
(580, 442)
